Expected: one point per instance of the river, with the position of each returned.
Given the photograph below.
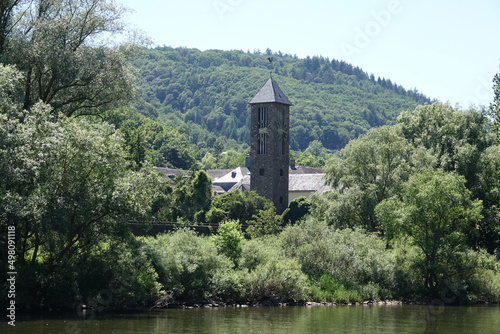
(289, 320)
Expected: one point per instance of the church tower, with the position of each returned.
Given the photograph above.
(269, 144)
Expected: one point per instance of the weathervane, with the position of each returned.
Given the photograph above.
(270, 62)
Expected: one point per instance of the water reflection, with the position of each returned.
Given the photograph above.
(323, 319)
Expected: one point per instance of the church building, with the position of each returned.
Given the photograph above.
(269, 144)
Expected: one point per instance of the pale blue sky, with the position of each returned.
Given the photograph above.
(447, 49)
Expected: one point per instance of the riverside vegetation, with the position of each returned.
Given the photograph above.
(414, 213)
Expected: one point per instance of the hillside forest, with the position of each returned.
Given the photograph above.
(414, 213)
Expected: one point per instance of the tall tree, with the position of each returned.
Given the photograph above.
(61, 48)
(432, 213)
(369, 170)
(65, 186)
(494, 110)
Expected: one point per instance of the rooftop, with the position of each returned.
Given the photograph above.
(308, 182)
(270, 92)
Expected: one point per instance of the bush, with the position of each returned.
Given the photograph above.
(278, 280)
(264, 223)
(237, 205)
(187, 264)
(354, 258)
(229, 239)
(269, 274)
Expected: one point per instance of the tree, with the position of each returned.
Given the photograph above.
(229, 240)
(242, 206)
(368, 170)
(432, 213)
(61, 48)
(494, 110)
(263, 223)
(297, 209)
(192, 196)
(454, 137)
(65, 186)
(488, 191)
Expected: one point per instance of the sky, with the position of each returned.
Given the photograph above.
(447, 49)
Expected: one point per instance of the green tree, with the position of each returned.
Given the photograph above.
(368, 170)
(297, 209)
(229, 240)
(488, 190)
(187, 264)
(432, 213)
(62, 51)
(237, 205)
(494, 110)
(453, 137)
(192, 196)
(65, 186)
(265, 222)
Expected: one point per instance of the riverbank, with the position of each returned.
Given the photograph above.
(376, 319)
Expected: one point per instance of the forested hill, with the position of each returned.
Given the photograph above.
(206, 93)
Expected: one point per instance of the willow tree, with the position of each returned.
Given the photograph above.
(65, 51)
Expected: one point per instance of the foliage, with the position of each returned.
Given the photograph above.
(190, 266)
(433, 211)
(263, 223)
(277, 280)
(494, 110)
(61, 49)
(354, 258)
(453, 137)
(152, 141)
(367, 171)
(229, 239)
(241, 206)
(192, 196)
(186, 264)
(118, 275)
(270, 274)
(224, 160)
(297, 209)
(328, 289)
(488, 190)
(65, 186)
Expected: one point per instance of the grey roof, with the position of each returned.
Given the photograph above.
(307, 182)
(216, 173)
(243, 184)
(270, 92)
(218, 190)
(306, 170)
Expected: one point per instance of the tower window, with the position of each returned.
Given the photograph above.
(261, 172)
(281, 131)
(263, 120)
(281, 172)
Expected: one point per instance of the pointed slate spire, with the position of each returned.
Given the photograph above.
(270, 93)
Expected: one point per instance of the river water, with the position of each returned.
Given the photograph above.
(289, 320)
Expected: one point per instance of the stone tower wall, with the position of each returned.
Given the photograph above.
(269, 171)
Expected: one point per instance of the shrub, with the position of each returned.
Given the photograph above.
(269, 274)
(229, 239)
(354, 258)
(187, 264)
(263, 223)
(278, 280)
